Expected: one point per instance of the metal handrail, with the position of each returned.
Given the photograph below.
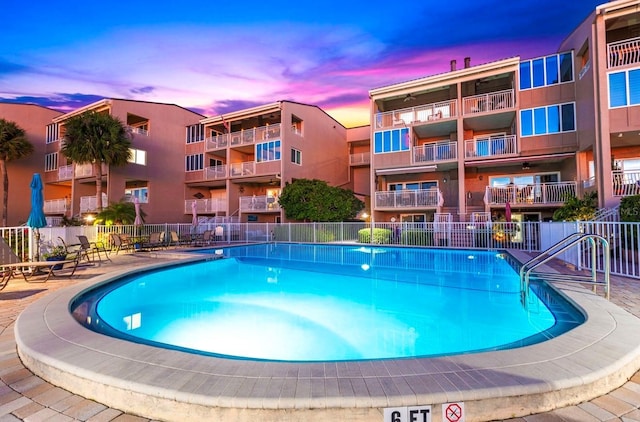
(562, 246)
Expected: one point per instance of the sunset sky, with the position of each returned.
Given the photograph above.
(214, 57)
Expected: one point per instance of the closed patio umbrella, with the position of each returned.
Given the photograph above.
(507, 211)
(138, 220)
(194, 216)
(37, 218)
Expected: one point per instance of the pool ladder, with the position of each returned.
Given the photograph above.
(565, 244)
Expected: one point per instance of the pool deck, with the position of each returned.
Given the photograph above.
(589, 374)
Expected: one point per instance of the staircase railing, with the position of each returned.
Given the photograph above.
(560, 247)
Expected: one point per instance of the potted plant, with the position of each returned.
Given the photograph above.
(57, 253)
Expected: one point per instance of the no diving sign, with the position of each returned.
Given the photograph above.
(453, 412)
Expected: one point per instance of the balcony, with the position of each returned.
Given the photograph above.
(623, 53)
(492, 146)
(206, 206)
(56, 206)
(86, 170)
(484, 103)
(426, 113)
(261, 203)
(626, 183)
(360, 159)
(215, 172)
(256, 134)
(554, 193)
(436, 152)
(220, 141)
(247, 168)
(90, 204)
(65, 172)
(408, 199)
(138, 130)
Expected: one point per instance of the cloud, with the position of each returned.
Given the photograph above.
(142, 90)
(59, 101)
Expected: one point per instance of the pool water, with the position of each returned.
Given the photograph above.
(330, 303)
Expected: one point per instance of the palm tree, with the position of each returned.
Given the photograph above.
(123, 212)
(97, 138)
(13, 145)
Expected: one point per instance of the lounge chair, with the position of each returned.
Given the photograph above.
(119, 242)
(156, 241)
(93, 247)
(10, 264)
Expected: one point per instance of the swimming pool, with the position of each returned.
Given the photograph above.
(296, 302)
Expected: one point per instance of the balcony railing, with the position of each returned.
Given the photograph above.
(90, 203)
(418, 114)
(206, 206)
(360, 158)
(55, 206)
(86, 170)
(217, 142)
(139, 131)
(261, 203)
(243, 137)
(419, 198)
(493, 101)
(544, 193)
(626, 183)
(493, 146)
(215, 172)
(623, 53)
(247, 168)
(65, 172)
(436, 152)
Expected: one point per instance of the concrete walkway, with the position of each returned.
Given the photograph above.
(24, 396)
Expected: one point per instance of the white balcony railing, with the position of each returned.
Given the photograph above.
(493, 101)
(139, 130)
(215, 172)
(626, 183)
(623, 53)
(418, 114)
(55, 206)
(206, 206)
(65, 172)
(543, 193)
(90, 203)
(419, 198)
(86, 170)
(436, 152)
(243, 137)
(492, 146)
(259, 203)
(360, 158)
(247, 168)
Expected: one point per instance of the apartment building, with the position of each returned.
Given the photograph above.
(236, 164)
(154, 175)
(33, 119)
(515, 136)
(606, 48)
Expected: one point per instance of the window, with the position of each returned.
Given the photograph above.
(141, 193)
(194, 162)
(545, 71)
(51, 161)
(551, 119)
(138, 156)
(296, 156)
(413, 185)
(296, 125)
(391, 141)
(195, 133)
(268, 151)
(624, 88)
(214, 162)
(52, 133)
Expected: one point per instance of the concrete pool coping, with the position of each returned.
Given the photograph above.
(589, 361)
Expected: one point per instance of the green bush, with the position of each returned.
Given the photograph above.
(630, 209)
(380, 236)
(416, 237)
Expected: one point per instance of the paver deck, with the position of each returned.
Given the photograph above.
(25, 396)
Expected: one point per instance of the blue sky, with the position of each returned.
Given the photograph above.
(215, 57)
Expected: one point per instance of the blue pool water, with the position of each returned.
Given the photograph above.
(296, 302)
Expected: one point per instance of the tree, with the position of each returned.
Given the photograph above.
(97, 138)
(13, 146)
(315, 200)
(122, 212)
(576, 209)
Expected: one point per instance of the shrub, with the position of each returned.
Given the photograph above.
(416, 237)
(380, 236)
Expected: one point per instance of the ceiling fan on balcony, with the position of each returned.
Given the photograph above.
(409, 97)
